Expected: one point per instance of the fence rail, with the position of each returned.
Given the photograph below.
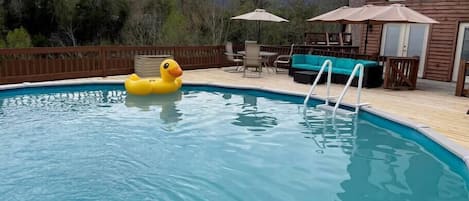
(41, 64)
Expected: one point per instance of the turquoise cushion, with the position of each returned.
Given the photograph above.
(313, 60)
(367, 63)
(344, 63)
(343, 66)
(298, 59)
(318, 68)
(324, 58)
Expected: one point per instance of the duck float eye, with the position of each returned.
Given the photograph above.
(169, 81)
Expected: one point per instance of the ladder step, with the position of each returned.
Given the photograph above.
(325, 107)
(338, 111)
(362, 104)
(345, 112)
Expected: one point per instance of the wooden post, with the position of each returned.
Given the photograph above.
(327, 38)
(463, 67)
(102, 57)
(341, 41)
(3, 68)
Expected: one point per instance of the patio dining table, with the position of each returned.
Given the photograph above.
(262, 53)
(266, 55)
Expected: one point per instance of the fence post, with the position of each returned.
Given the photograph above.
(220, 54)
(102, 60)
(174, 53)
(3, 68)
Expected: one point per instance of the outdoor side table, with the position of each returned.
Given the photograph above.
(401, 73)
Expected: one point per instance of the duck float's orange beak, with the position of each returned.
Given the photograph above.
(175, 72)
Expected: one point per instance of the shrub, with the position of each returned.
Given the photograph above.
(40, 40)
(2, 43)
(18, 38)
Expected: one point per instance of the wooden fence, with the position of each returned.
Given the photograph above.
(41, 64)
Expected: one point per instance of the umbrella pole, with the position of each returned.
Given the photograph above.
(366, 35)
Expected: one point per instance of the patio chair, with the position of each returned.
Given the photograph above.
(283, 59)
(252, 58)
(231, 56)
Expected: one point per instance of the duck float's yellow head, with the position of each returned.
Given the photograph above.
(169, 82)
(170, 70)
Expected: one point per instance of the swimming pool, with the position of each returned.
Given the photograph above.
(93, 142)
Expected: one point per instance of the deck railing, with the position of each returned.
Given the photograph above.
(41, 64)
(54, 63)
(335, 51)
(326, 38)
(460, 85)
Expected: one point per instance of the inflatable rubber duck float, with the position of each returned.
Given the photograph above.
(169, 82)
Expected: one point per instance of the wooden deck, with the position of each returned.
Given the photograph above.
(433, 103)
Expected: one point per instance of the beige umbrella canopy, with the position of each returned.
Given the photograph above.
(399, 13)
(337, 15)
(374, 14)
(259, 15)
(370, 14)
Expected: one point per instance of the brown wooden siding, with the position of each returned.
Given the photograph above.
(442, 37)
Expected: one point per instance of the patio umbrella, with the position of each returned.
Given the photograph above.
(259, 15)
(370, 14)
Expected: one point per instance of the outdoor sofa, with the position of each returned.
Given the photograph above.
(341, 69)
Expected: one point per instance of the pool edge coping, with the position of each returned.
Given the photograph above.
(441, 139)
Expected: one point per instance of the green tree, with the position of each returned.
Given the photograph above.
(66, 17)
(175, 30)
(18, 38)
(2, 44)
(157, 22)
(2, 18)
(145, 22)
(40, 40)
(101, 20)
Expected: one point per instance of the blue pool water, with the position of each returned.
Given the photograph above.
(94, 142)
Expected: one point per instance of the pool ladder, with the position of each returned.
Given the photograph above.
(328, 63)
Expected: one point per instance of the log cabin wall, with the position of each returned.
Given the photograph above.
(442, 39)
